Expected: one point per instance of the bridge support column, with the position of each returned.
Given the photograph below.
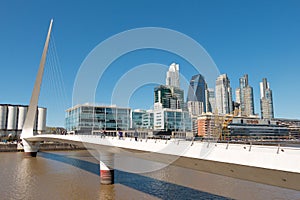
(30, 148)
(106, 168)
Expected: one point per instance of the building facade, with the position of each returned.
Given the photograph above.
(244, 96)
(206, 125)
(172, 77)
(266, 100)
(195, 108)
(84, 118)
(223, 95)
(169, 97)
(137, 119)
(211, 126)
(257, 128)
(12, 118)
(172, 120)
(148, 120)
(196, 99)
(210, 100)
(197, 90)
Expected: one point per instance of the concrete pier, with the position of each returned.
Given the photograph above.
(107, 168)
(30, 148)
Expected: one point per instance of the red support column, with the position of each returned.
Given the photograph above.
(106, 168)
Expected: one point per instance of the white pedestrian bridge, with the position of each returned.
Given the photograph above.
(278, 166)
(272, 165)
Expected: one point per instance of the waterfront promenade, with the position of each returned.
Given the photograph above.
(14, 147)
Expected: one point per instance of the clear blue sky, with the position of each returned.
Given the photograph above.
(261, 38)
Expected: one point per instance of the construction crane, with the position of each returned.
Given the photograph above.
(227, 120)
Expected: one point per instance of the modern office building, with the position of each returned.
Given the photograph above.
(163, 95)
(210, 100)
(257, 128)
(169, 97)
(172, 120)
(148, 120)
(172, 78)
(137, 119)
(84, 118)
(178, 94)
(210, 126)
(195, 108)
(223, 95)
(266, 100)
(293, 125)
(197, 89)
(12, 118)
(244, 96)
(196, 99)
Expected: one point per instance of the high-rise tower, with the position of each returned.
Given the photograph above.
(244, 96)
(170, 95)
(266, 100)
(210, 100)
(223, 95)
(196, 98)
(172, 78)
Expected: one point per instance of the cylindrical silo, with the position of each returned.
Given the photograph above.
(21, 116)
(3, 115)
(41, 122)
(12, 117)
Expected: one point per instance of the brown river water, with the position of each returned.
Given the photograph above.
(75, 175)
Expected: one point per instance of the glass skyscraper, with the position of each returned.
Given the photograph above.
(169, 97)
(210, 100)
(197, 97)
(172, 78)
(266, 100)
(197, 89)
(223, 95)
(244, 96)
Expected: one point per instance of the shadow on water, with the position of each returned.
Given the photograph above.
(151, 186)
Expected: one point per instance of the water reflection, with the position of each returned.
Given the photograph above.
(24, 179)
(150, 186)
(79, 163)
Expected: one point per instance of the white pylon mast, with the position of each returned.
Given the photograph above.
(32, 108)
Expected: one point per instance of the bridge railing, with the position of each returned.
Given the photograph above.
(246, 140)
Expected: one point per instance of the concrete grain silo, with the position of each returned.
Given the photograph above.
(21, 116)
(3, 117)
(12, 117)
(41, 120)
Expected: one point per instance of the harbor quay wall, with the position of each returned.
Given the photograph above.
(9, 147)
